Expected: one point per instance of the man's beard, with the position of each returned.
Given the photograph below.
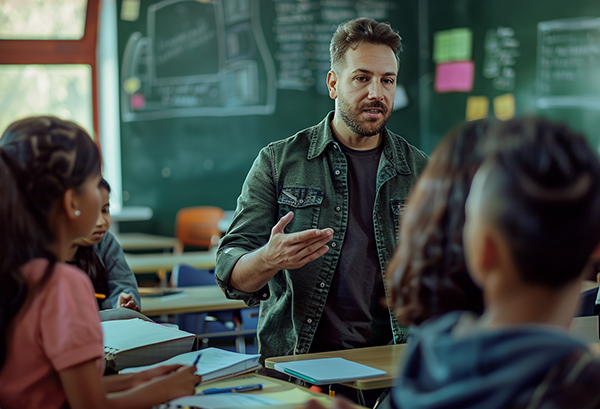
(350, 117)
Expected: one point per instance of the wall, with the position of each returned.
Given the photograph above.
(205, 85)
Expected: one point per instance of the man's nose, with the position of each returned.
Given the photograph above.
(375, 91)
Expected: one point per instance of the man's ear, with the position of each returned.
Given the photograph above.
(331, 84)
(70, 204)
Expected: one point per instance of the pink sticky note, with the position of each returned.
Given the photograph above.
(137, 101)
(454, 76)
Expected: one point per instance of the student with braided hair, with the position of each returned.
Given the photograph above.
(51, 348)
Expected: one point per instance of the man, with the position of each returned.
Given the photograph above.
(332, 196)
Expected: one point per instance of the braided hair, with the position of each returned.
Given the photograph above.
(40, 159)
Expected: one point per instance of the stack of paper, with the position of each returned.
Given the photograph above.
(135, 342)
(214, 363)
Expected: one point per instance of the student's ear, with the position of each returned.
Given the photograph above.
(331, 84)
(484, 259)
(71, 204)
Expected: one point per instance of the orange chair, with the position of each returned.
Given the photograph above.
(198, 226)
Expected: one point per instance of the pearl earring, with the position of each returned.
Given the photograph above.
(77, 213)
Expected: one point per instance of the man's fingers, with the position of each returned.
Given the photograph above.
(280, 226)
(308, 236)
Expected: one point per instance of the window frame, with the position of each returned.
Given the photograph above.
(43, 52)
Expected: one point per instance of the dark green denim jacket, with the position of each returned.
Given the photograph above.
(306, 173)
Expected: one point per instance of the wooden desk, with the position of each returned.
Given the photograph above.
(151, 263)
(191, 299)
(142, 241)
(384, 357)
(287, 394)
(586, 329)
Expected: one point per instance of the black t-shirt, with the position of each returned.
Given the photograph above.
(355, 314)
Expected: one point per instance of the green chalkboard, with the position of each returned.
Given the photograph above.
(204, 85)
(545, 53)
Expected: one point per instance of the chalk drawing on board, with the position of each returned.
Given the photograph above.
(206, 58)
(568, 57)
(501, 52)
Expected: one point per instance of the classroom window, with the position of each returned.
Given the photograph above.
(62, 90)
(42, 19)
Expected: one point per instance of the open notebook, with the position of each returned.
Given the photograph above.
(214, 363)
(135, 342)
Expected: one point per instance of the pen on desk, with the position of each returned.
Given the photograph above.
(245, 388)
(197, 359)
(100, 296)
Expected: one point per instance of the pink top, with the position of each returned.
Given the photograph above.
(57, 328)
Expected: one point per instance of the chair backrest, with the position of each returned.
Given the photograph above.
(199, 226)
(249, 317)
(587, 302)
(187, 276)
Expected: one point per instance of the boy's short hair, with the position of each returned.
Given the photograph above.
(543, 194)
(353, 33)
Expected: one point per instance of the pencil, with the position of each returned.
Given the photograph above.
(101, 296)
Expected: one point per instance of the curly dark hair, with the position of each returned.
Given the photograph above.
(428, 271)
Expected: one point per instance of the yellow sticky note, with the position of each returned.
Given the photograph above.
(131, 85)
(504, 106)
(130, 10)
(477, 108)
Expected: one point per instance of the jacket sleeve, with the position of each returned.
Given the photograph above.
(120, 277)
(250, 229)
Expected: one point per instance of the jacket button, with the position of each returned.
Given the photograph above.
(309, 320)
(322, 285)
(337, 172)
(338, 208)
(265, 295)
(334, 244)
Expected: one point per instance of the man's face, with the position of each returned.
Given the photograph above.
(365, 87)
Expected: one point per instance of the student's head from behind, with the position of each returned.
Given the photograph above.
(534, 205)
(362, 79)
(103, 221)
(428, 270)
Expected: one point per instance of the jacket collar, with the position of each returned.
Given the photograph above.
(321, 136)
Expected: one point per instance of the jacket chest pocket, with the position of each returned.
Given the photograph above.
(305, 203)
(398, 208)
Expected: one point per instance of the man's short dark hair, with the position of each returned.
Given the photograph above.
(543, 193)
(353, 33)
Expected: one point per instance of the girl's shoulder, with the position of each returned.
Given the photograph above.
(35, 269)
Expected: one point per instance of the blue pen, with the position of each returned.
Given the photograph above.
(245, 388)
(197, 359)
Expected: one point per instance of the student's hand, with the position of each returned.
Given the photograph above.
(338, 403)
(181, 382)
(148, 374)
(126, 301)
(294, 250)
